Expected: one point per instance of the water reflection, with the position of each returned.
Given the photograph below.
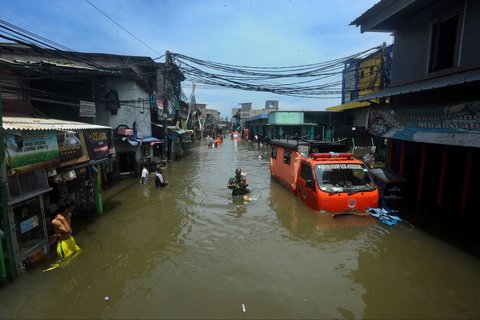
(190, 250)
(316, 227)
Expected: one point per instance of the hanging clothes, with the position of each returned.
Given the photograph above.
(112, 101)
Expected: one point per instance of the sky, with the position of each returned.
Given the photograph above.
(257, 33)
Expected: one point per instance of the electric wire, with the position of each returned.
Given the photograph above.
(316, 80)
(22, 32)
(131, 34)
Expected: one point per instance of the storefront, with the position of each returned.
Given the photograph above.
(49, 162)
(177, 140)
(128, 154)
(82, 165)
(134, 152)
(26, 213)
(150, 148)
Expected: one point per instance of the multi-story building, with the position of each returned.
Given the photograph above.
(431, 109)
(271, 104)
(362, 77)
(71, 122)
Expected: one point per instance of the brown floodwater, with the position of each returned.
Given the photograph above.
(191, 251)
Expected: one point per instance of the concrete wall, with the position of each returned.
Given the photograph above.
(470, 51)
(360, 117)
(285, 118)
(132, 111)
(412, 41)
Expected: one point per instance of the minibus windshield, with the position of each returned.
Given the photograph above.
(344, 177)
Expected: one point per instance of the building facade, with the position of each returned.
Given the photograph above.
(430, 111)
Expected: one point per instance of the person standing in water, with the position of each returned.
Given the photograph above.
(144, 176)
(160, 181)
(238, 184)
(61, 225)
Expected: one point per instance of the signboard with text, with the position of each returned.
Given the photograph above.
(72, 147)
(97, 142)
(451, 124)
(31, 150)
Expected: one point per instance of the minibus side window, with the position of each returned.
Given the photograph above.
(286, 156)
(306, 172)
(274, 152)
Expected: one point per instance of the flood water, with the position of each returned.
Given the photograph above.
(191, 251)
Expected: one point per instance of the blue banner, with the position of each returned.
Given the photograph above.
(457, 125)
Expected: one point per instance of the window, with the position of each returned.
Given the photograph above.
(443, 43)
(274, 152)
(344, 176)
(26, 185)
(287, 155)
(29, 222)
(306, 172)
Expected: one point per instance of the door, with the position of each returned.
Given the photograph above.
(306, 186)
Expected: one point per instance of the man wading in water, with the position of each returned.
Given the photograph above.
(66, 245)
(238, 184)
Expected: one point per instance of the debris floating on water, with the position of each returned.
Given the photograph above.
(106, 298)
(243, 307)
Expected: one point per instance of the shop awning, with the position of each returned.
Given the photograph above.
(182, 131)
(24, 123)
(133, 141)
(150, 139)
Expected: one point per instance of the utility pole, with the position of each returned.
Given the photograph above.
(166, 85)
(5, 211)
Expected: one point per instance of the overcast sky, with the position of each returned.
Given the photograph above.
(255, 33)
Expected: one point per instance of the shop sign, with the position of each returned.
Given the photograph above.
(31, 150)
(451, 124)
(87, 109)
(97, 142)
(29, 224)
(72, 148)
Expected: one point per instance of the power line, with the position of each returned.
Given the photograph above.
(32, 36)
(40, 44)
(317, 80)
(136, 38)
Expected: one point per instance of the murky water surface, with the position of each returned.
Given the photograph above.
(191, 251)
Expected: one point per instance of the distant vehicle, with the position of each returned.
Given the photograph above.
(323, 175)
(236, 136)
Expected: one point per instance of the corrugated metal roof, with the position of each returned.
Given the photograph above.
(450, 80)
(32, 63)
(23, 123)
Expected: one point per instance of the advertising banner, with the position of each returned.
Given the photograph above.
(31, 150)
(457, 124)
(72, 148)
(97, 142)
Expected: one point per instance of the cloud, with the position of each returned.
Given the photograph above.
(237, 32)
